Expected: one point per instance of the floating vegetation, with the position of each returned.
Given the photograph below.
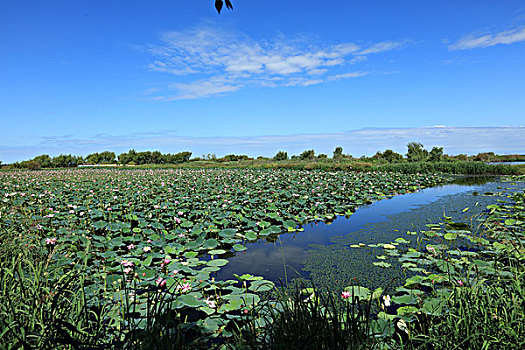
(129, 258)
(466, 286)
(131, 248)
(340, 264)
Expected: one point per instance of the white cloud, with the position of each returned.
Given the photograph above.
(347, 75)
(303, 82)
(200, 88)
(226, 62)
(481, 41)
(317, 71)
(382, 47)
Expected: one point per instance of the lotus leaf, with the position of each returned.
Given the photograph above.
(217, 262)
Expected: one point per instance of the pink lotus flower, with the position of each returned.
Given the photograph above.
(460, 282)
(210, 303)
(346, 294)
(386, 300)
(165, 262)
(131, 246)
(51, 240)
(160, 282)
(146, 249)
(126, 263)
(184, 288)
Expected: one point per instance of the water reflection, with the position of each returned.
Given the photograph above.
(507, 163)
(473, 180)
(269, 259)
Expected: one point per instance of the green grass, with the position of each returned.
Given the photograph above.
(43, 302)
(481, 316)
(306, 318)
(457, 167)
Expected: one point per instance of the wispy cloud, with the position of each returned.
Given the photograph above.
(382, 47)
(201, 88)
(208, 62)
(455, 140)
(486, 40)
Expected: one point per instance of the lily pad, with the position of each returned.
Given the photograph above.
(217, 262)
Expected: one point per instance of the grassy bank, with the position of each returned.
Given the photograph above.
(448, 167)
(455, 167)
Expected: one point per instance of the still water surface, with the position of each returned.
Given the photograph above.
(268, 259)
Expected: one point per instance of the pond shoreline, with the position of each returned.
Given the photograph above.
(293, 250)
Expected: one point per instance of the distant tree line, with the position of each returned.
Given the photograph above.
(416, 152)
(45, 161)
(147, 157)
(132, 157)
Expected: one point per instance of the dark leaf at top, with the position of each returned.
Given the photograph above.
(218, 5)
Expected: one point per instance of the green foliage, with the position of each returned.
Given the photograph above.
(233, 158)
(307, 155)
(136, 249)
(281, 155)
(389, 156)
(105, 157)
(45, 161)
(462, 157)
(416, 152)
(338, 153)
(487, 316)
(125, 259)
(306, 160)
(42, 304)
(31, 165)
(147, 157)
(66, 161)
(306, 318)
(474, 297)
(435, 154)
(456, 167)
(485, 157)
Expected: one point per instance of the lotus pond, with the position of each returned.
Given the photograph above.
(381, 221)
(105, 257)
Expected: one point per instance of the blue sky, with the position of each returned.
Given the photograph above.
(86, 76)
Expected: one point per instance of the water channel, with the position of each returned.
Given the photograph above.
(322, 251)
